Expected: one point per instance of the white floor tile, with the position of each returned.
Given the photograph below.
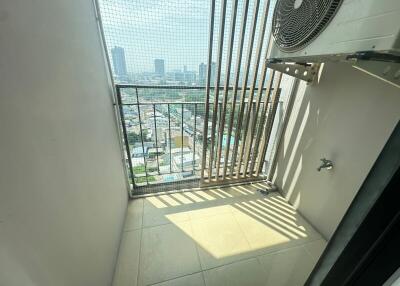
(246, 272)
(287, 267)
(134, 215)
(157, 211)
(219, 240)
(315, 248)
(168, 252)
(209, 210)
(126, 272)
(270, 227)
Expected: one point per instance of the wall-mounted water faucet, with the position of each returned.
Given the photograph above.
(326, 164)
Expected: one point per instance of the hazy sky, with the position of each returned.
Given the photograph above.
(173, 30)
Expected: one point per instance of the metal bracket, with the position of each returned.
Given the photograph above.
(306, 72)
(386, 71)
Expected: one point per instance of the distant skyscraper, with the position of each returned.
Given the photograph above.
(118, 58)
(213, 68)
(202, 73)
(159, 67)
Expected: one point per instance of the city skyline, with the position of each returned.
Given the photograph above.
(160, 72)
(176, 31)
(118, 59)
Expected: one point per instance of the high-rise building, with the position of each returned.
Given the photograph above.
(213, 68)
(202, 73)
(159, 67)
(118, 58)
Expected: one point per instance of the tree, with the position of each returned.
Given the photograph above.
(134, 137)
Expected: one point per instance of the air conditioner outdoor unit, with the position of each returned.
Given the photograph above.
(326, 30)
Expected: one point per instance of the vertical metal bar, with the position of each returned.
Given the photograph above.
(276, 138)
(169, 138)
(267, 136)
(217, 81)
(235, 85)
(125, 134)
(252, 88)
(284, 123)
(262, 120)
(141, 136)
(263, 112)
(269, 124)
(155, 132)
(226, 87)
(253, 118)
(182, 137)
(217, 134)
(259, 97)
(194, 137)
(207, 98)
(243, 95)
(261, 128)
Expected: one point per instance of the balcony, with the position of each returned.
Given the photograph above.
(84, 123)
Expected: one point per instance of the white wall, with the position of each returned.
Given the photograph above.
(63, 194)
(347, 118)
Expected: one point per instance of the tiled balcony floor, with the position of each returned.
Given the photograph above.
(228, 236)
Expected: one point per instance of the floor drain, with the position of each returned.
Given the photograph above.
(270, 188)
(264, 192)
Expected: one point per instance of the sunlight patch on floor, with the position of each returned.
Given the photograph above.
(222, 235)
(250, 224)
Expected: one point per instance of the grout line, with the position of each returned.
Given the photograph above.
(232, 262)
(133, 229)
(163, 224)
(198, 254)
(306, 251)
(140, 246)
(175, 278)
(311, 255)
(242, 231)
(204, 278)
(126, 216)
(122, 232)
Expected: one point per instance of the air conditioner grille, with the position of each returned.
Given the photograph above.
(297, 22)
